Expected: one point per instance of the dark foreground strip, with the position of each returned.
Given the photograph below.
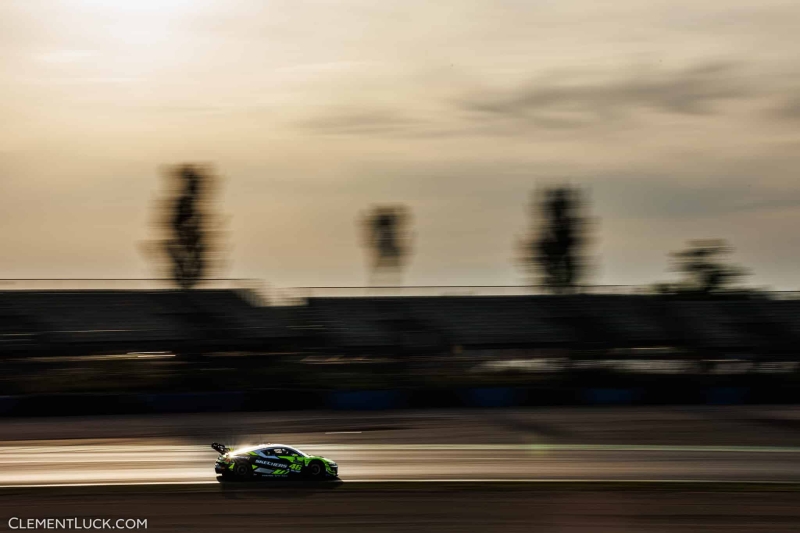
(429, 486)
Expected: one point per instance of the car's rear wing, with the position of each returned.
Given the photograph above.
(221, 448)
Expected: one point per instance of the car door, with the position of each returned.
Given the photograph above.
(268, 463)
(279, 461)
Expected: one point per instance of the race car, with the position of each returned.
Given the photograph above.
(271, 461)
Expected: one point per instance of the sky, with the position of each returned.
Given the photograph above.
(681, 118)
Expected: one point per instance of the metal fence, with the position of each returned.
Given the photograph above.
(297, 295)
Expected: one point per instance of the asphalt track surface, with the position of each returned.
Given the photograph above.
(165, 462)
(678, 445)
(659, 469)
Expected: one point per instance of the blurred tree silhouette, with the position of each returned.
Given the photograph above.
(554, 251)
(387, 240)
(188, 247)
(703, 268)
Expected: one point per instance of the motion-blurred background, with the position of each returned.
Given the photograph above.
(580, 215)
(707, 337)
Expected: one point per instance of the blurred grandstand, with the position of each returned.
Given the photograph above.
(111, 346)
(54, 318)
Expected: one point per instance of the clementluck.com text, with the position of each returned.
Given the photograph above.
(77, 523)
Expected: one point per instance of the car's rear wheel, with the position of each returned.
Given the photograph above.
(316, 470)
(242, 471)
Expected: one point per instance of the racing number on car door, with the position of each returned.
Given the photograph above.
(292, 457)
(295, 462)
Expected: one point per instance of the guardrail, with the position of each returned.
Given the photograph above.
(44, 284)
(260, 293)
(294, 293)
(252, 290)
(297, 295)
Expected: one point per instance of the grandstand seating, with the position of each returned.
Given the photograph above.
(706, 324)
(625, 321)
(107, 320)
(90, 321)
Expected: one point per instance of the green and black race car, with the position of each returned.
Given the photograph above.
(271, 461)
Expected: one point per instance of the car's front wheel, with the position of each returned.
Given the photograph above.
(316, 470)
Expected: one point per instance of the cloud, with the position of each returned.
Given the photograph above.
(557, 104)
(789, 109)
(358, 122)
(66, 56)
(329, 66)
(661, 198)
(701, 185)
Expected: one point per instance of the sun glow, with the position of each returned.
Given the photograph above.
(162, 6)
